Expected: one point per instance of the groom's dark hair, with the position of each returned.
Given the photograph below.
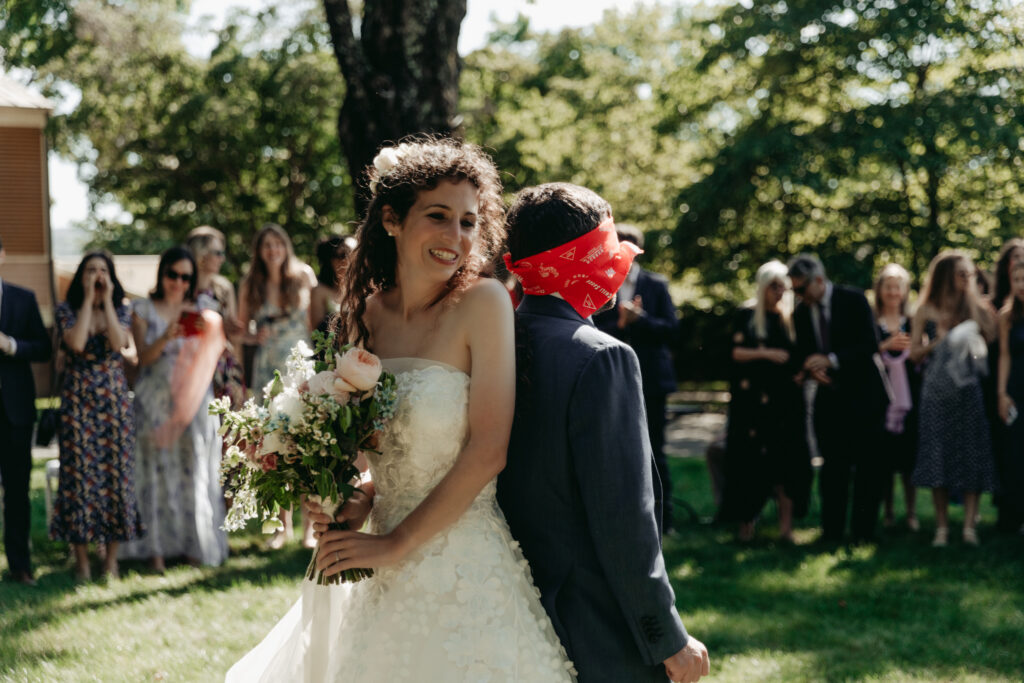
(548, 215)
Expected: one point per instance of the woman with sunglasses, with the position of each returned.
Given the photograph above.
(333, 254)
(178, 448)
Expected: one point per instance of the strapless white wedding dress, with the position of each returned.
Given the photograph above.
(462, 607)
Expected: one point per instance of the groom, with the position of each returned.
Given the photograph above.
(577, 488)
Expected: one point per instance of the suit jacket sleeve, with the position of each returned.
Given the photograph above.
(612, 459)
(658, 324)
(33, 343)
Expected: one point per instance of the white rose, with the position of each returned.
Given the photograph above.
(321, 383)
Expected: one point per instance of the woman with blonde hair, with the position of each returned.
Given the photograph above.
(892, 289)
(950, 330)
(766, 450)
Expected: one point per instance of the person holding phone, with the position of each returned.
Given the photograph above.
(178, 451)
(95, 500)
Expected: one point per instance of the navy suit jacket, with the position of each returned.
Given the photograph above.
(577, 492)
(19, 318)
(652, 335)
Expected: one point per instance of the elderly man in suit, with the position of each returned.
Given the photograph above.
(577, 488)
(23, 339)
(645, 318)
(836, 343)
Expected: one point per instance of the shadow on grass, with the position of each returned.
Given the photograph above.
(896, 609)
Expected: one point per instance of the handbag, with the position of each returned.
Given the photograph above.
(46, 428)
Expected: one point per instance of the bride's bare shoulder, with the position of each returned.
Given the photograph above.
(485, 298)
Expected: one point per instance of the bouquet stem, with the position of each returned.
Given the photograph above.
(347, 576)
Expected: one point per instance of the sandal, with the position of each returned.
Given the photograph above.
(941, 539)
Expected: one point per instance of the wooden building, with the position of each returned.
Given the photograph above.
(25, 200)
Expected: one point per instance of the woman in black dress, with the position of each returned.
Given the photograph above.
(766, 451)
(1010, 391)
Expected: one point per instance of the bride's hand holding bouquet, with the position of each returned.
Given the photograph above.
(305, 438)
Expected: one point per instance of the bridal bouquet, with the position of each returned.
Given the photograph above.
(304, 438)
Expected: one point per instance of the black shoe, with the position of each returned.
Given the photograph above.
(24, 578)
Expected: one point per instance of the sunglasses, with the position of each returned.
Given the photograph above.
(175, 275)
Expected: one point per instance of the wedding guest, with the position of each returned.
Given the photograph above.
(95, 500)
(1010, 389)
(23, 340)
(178, 448)
(899, 441)
(333, 254)
(207, 245)
(954, 453)
(1011, 253)
(645, 318)
(766, 445)
(274, 307)
(273, 300)
(835, 347)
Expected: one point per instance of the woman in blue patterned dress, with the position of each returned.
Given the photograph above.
(273, 303)
(178, 457)
(96, 490)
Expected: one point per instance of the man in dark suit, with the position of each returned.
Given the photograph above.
(23, 339)
(645, 318)
(836, 342)
(577, 488)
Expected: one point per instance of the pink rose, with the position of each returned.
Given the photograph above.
(360, 368)
(269, 462)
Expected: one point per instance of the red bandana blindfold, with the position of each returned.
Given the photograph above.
(586, 272)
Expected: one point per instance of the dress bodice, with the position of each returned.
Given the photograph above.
(1017, 339)
(424, 438)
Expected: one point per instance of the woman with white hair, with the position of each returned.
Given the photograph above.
(766, 451)
(892, 289)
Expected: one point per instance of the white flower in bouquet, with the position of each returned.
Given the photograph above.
(329, 383)
(274, 442)
(288, 405)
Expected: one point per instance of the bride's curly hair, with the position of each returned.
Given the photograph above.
(395, 179)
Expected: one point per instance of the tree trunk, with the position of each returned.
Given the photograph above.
(401, 74)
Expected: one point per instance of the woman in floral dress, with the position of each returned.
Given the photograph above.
(96, 490)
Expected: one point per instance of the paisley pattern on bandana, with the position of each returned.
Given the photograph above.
(586, 272)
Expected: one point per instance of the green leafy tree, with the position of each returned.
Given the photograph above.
(585, 106)
(237, 140)
(869, 131)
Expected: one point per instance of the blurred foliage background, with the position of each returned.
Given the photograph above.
(868, 131)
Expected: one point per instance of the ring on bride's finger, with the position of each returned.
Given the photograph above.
(336, 558)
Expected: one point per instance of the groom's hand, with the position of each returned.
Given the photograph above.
(689, 664)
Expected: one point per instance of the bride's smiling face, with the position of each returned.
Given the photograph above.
(439, 231)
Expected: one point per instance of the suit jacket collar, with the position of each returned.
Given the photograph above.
(550, 306)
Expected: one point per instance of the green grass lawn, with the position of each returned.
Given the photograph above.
(901, 611)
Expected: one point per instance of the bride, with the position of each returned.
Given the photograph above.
(452, 597)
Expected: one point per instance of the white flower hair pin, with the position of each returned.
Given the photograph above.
(385, 162)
